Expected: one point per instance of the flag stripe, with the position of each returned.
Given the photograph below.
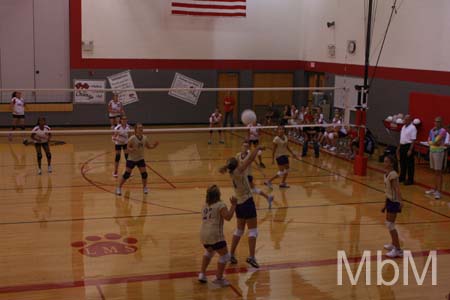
(220, 0)
(188, 5)
(225, 8)
(213, 14)
(205, 10)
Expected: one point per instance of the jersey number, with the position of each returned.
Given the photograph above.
(207, 213)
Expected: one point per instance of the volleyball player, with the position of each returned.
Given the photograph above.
(214, 121)
(245, 209)
(17, 107)
(135, 147)
(115, 110)
(280, 152)
(211, 234)
(242, 156)
(41, 135)
(253, 139)
(393, 204)
(120, 139)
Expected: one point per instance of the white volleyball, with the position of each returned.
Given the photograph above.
(416, 121)
(389, 119)
(248, 116)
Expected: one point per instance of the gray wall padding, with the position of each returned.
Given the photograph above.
(153, 108)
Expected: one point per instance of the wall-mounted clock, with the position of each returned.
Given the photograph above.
(351, 47)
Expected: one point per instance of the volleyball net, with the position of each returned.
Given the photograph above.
(310, 116)
(185, 105)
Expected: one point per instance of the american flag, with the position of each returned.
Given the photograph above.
(214, 8)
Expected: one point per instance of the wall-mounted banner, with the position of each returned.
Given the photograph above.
(83, 95)
(190, 96)
(123, 80)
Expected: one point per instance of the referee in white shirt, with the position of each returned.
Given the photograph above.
(405, 152)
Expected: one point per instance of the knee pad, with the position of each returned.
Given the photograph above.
(224, 258)
(117, 159)
(280, 173)
(256, 191)
(144, 175)
(259, 152)
(126, 175)
(39, 156)
(238, 232)
(49, 155)
(253, 232)
(390, 225)
(209, 254)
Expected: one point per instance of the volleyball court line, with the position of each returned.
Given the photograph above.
(258, 209)
(100, 291)
(183, 214)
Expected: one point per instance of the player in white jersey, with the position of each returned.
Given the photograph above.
(214, 121)
(136, 145)
(280, 152)
(120, 138)
(41, 135)
(115, 110)
(17, 107)
(245, 209)
(253, 138)
(211, 233)
(242, 156)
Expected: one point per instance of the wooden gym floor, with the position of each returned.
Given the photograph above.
(66, 235)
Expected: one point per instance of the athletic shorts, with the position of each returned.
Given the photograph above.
(393, 207)
(39, 145)
(119, 147)
(131, 164)
(341, 134)
(438, 160)
(254, 142)
(282, 160)
(216, 246)
(18, 116)
(246, 210)
(250, 178)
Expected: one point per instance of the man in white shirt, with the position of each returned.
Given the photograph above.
(405, 151)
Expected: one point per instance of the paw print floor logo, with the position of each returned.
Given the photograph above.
(109, 244)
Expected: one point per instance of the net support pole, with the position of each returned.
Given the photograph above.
(360, 164)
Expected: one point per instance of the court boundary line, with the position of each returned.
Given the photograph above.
(134, 186)
(192, 274)
(100, 291)
(258, 209)
(184, 213)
